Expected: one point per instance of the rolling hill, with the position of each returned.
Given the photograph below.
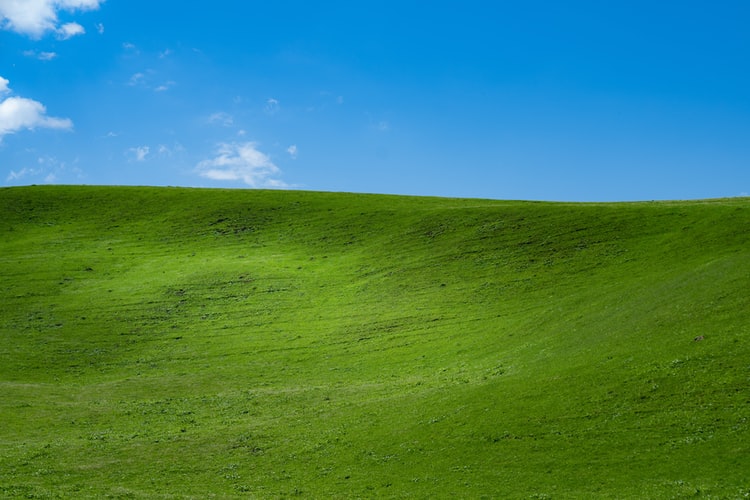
(190, 343)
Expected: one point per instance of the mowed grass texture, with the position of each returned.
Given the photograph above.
(186, 343)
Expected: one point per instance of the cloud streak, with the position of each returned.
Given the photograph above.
(42, 56)
(241, 162)
(35, 18)
(221, 118)
(20, 113)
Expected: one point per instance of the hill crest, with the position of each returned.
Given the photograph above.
(192, 342)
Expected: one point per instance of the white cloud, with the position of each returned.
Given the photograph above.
(136, 79)
(79, 4)
(34, 18)
(272, 106)
(140, 152)
(24, 172)
(145, 153)
(100, 28)
(241, 162)
(164, 87)
(221, 118)
(292, 150)
(169, 151)
(145, 80)
(19, 113)
(69, 30)
(47, 169)
(42, 56)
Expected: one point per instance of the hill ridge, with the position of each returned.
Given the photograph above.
(191, 342)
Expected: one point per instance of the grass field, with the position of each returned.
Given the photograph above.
(178, 343)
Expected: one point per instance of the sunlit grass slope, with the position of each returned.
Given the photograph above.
(160, 342)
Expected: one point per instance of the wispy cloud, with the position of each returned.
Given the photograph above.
(35, 18)
(20, 113)
(272, 106)
(140, 153)
(325, 100)
(292, 150)
(149, 153)
(221, 118)
(145, 80)
(47, 169)
(164, 86)
(136, 79)
(168, 151)
(20, 174)
(100, 28)
(42, 56)
(241, 162)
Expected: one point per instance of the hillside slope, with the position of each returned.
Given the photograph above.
(162, 342)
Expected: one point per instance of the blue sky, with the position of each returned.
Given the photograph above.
(540, 100)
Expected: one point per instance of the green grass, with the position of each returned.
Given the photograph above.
(175, 343)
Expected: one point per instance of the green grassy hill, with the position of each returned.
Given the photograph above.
(173, 343)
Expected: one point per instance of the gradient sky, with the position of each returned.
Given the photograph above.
(540, 100)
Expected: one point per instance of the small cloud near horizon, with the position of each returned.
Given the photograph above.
(48, 169)
(241, 162)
